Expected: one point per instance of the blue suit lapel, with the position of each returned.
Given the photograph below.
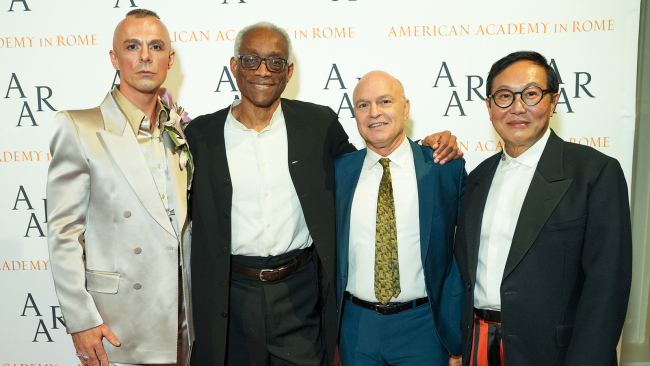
(426, 187)
(346, 186)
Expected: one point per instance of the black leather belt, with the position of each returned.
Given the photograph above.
(274, 274)
(488, 315)
(386, 309)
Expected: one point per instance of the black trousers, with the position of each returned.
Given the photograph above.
(275, 322)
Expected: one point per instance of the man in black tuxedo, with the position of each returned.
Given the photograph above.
(544, 238)
(263, 245)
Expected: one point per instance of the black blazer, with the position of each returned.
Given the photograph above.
(567, 278)
(315, 138)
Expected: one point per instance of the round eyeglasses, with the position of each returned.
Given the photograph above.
(253, 62)
(531, 95)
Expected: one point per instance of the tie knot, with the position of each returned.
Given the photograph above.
(384, 162)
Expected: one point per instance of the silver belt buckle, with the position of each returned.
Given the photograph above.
(262, 271)
(382, 309)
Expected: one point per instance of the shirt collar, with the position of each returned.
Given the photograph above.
(399, 157)
(235, 124)
(530, 157)
(133, 114)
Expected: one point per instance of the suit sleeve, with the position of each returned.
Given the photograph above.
(607, 268)
(68, 194)
(339, 143)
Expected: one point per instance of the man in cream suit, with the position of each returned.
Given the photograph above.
(118, 233)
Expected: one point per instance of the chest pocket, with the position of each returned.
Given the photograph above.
(567, 224)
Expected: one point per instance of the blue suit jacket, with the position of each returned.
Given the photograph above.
(440, 194)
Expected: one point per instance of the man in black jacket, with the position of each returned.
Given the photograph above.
(544, 240)
(263, 246)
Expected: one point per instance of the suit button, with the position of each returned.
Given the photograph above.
(137, 250)
(224, 314)
(314, 227)
(224, 249)
(469, 287)
(226, 216)
(224, 282)
(127, 214)
(226, 181)
(137, 286)
(304, 195)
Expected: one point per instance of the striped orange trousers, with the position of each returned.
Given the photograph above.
(487, 346)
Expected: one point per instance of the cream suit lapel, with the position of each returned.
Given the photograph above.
(121, 144)
(179, 181)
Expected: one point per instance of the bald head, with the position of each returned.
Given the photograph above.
(382, 77)
(381, 109)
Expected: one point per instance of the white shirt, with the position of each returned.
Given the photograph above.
(507, 192)
(266, 215)
(363, 226)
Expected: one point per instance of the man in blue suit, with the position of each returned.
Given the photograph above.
(399, 290)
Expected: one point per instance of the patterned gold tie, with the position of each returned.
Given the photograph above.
(386, 264)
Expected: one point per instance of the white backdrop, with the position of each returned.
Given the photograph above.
(54, 56)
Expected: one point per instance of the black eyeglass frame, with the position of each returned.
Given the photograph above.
(265, 60)
(521, 96)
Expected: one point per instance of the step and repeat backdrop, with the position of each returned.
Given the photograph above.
(54, 55)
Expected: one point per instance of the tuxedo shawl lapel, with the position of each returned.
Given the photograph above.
(545, 192)
(426, 186)
(475, 198)
(120, 142)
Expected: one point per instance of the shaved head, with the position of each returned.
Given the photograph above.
(381, 76)
(381, 109)
(121, 30)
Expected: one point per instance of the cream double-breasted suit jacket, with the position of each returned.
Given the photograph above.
(100, 188)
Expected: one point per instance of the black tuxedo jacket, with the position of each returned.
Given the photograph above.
(315, 138)
(566, 283)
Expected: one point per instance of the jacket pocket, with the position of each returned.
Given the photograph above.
(564, 333)
(102, 282)
(568, 224)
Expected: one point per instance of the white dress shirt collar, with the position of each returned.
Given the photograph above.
(530, 157)
(398, 157)
(232, 122)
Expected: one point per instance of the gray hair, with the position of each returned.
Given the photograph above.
(264, 25)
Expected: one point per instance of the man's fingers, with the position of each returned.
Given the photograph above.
(455, 360)
(445, 155)
(88, 359)
(110, 336)
(102, 356)
(448, 152)
(79, 353)
(432, 140)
